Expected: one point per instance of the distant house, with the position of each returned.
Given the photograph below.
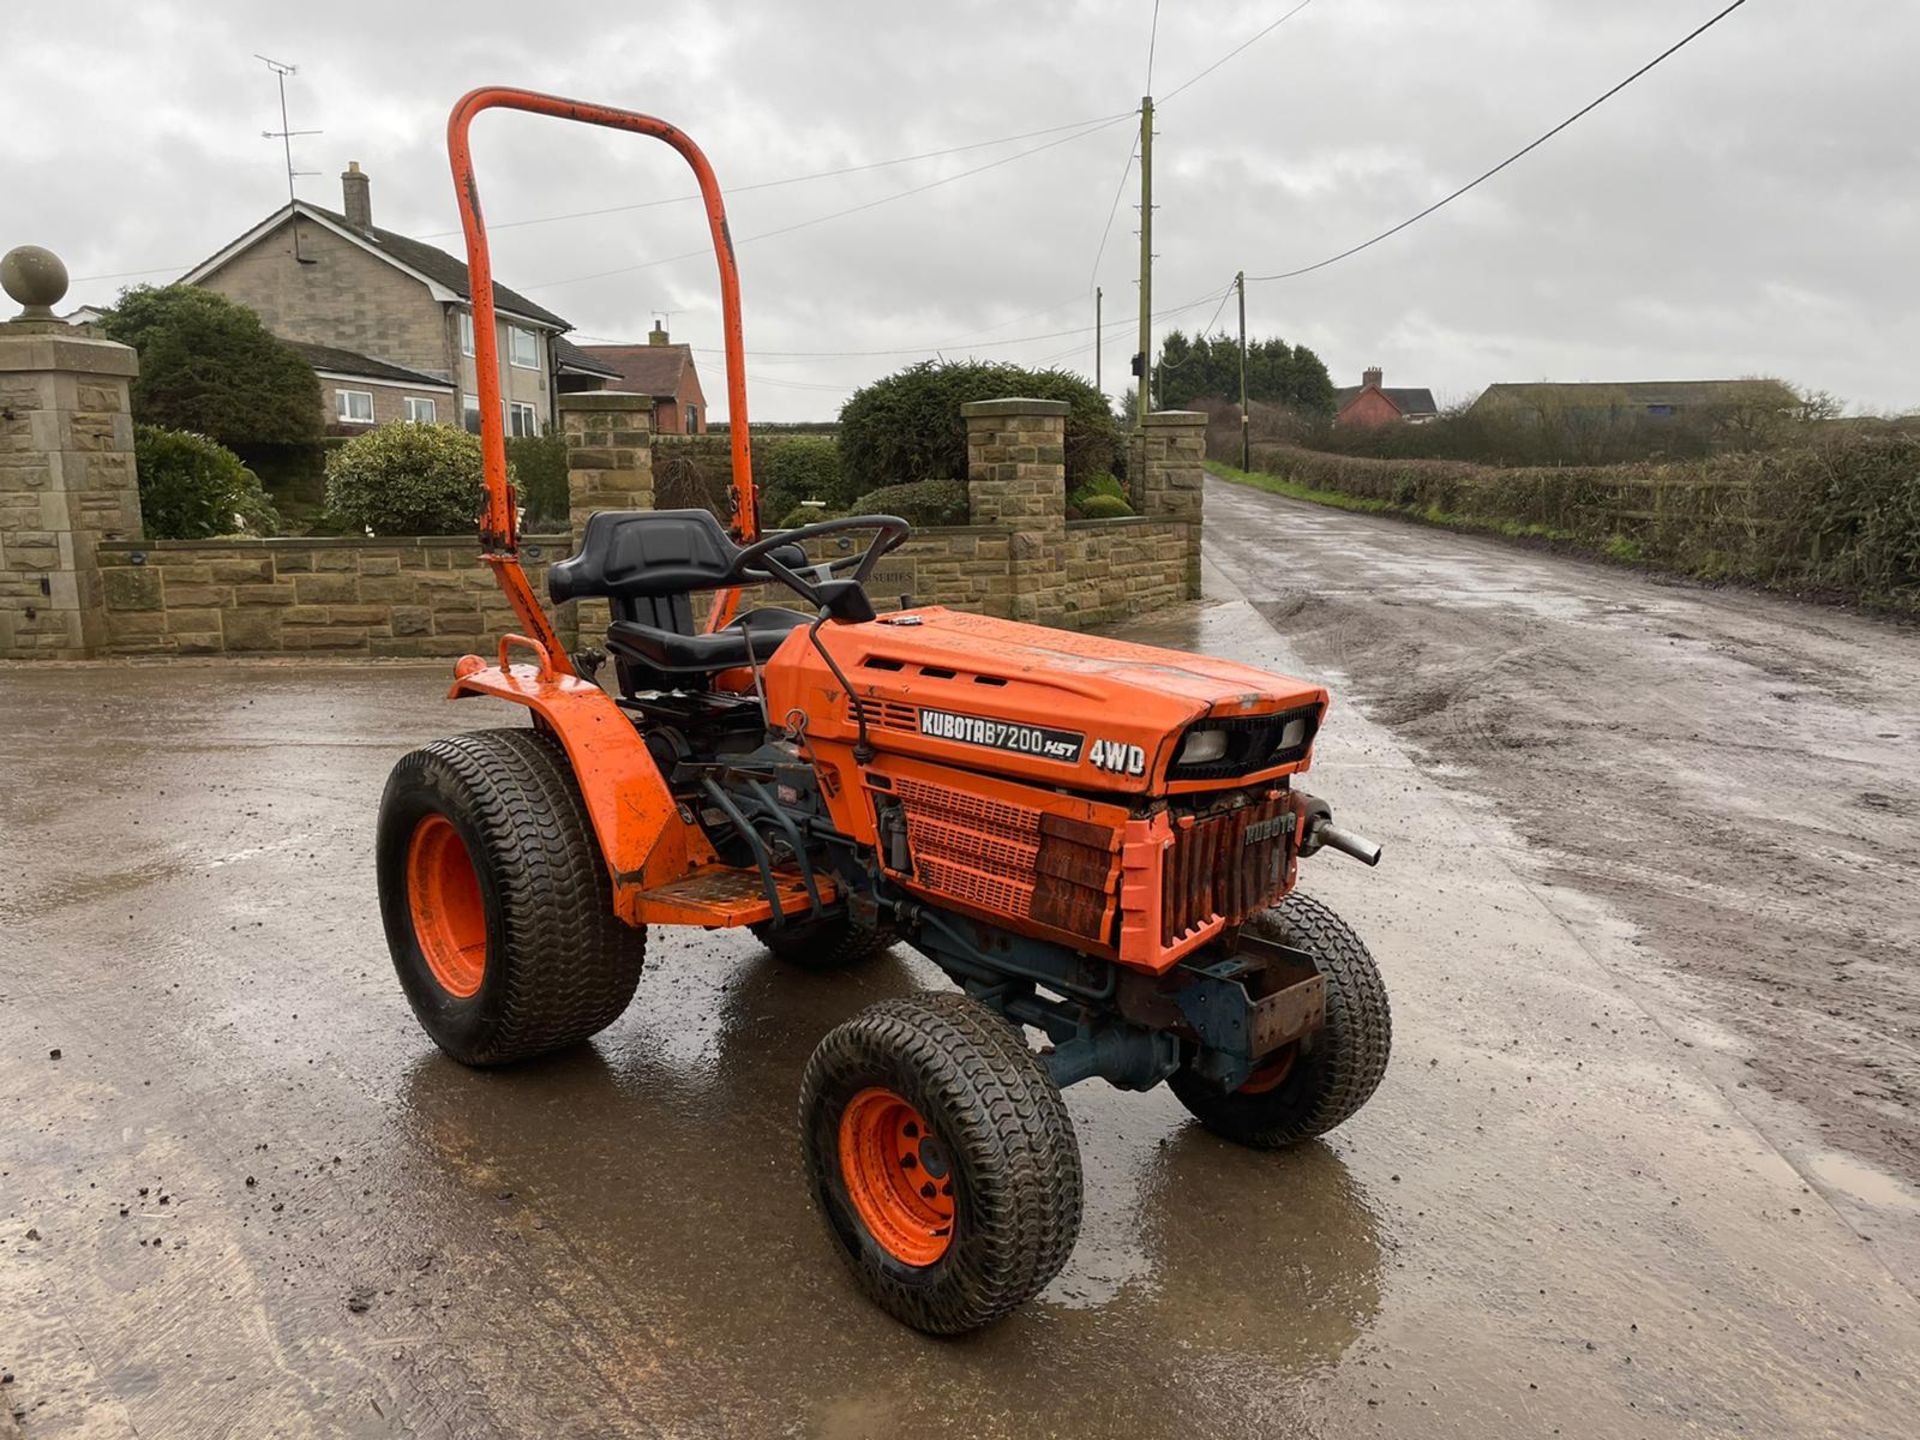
(385, 320)
(1371, 403)
(1656, 399)
(665, 372)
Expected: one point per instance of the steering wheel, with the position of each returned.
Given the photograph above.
(748, 562)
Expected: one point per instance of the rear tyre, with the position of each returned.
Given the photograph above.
(940, 1153)
(836, 943)
(1324, 1079)
(497, 903)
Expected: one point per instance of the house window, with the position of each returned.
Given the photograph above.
(354, 407)
(470, 418)
(523, 348)
(420, 410)
(693, 419)
(522, 419)
(466, 332)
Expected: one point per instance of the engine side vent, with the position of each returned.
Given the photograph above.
(1013, 860)
(890, 715)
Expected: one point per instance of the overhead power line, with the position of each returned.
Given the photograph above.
(1526, 149)
(1153, 38)
(1092, 129)
(1251, 40)
(1113, 210)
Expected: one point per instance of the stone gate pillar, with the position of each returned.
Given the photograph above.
(609, 467)
(1017, 477)
(1172, 448)
(67, 479)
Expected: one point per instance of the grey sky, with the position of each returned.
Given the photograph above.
(1751, 207)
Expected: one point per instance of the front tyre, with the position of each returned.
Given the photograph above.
(496, 901)
(1320, 1081)
(940, 1153)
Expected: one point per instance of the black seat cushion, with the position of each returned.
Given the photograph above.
(643, 554)
(725, 648)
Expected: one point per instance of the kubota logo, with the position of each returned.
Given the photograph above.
(1035, 740)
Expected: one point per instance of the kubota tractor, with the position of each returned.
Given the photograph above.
(1097, 841)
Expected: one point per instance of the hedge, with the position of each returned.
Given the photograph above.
(193, 488)
(1841, 513)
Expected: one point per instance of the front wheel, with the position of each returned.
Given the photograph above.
(940, 1153)
(1322, 1080)
(497, 903)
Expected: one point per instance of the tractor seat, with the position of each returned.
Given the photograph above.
(760, 631)
(646, 563)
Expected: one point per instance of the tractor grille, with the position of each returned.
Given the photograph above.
(1227, 865)
(1011, 860)
(890, 715)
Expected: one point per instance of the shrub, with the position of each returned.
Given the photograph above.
(796, 468)
(907, 426)
(407, 480)
(208, 365)
(807, 515)
(1103, 507)
(539, 465)
(192, 488)
(923, 502)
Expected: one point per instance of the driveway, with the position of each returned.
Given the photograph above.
(261, 1204)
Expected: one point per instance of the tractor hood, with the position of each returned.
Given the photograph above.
(1078, 711)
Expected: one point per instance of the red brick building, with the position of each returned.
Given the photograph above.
(665, 372)
(1371, 403)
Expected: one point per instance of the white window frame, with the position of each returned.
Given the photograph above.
(515, 334)
(416, 403)
(341, 409)
(519, 408)
(470, 414)
(466, 332)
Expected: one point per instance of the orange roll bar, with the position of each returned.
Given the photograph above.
(499, 523)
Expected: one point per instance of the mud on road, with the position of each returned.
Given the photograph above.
(1736, 774)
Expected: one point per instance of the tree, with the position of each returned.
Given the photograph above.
(908, 427)
(1209, 366)
(192, 488)
(209, 366)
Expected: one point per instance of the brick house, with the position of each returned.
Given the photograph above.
(663, 371)
(386, 321)
(1371, 403)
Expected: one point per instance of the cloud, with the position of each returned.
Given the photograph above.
(1746, 208)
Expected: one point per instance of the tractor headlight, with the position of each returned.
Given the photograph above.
(1292, 735)
(1202, 747)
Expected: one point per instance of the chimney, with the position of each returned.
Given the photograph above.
(657, 335)
(1370, 378)
(357, 197)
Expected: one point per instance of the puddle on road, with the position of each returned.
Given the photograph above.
(1863, 1183)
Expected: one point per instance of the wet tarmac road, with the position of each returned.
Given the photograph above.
(1551, 1219)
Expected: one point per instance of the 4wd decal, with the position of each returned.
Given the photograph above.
(1035, 740)
(1120, 758)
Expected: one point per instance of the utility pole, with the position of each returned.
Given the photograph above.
(1096, 345)
(1240, 283)
(285, 136)
(1145, 360)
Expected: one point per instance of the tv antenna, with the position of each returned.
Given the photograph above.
(281, 70)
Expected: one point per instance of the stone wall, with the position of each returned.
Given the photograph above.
(405, 597)
(67, 484)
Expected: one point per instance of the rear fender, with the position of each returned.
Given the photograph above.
(638, 822)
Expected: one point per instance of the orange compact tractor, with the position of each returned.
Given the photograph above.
(1097, 841)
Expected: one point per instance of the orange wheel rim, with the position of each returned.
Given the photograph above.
(899, 1175)
(449, 917)
(1271, 1075)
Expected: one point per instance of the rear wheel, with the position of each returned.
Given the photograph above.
(832, 944)
(941, 1155)
(497, 904)
(1316, 1083)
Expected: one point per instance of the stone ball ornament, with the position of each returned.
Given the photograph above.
(36, 277)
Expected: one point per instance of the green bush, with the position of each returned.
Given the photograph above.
(807, 515)
(1103, 507)
(192, 488)
(407, 480)
(923, 502)
(799, 467)
(907, 426)
(539, 465)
